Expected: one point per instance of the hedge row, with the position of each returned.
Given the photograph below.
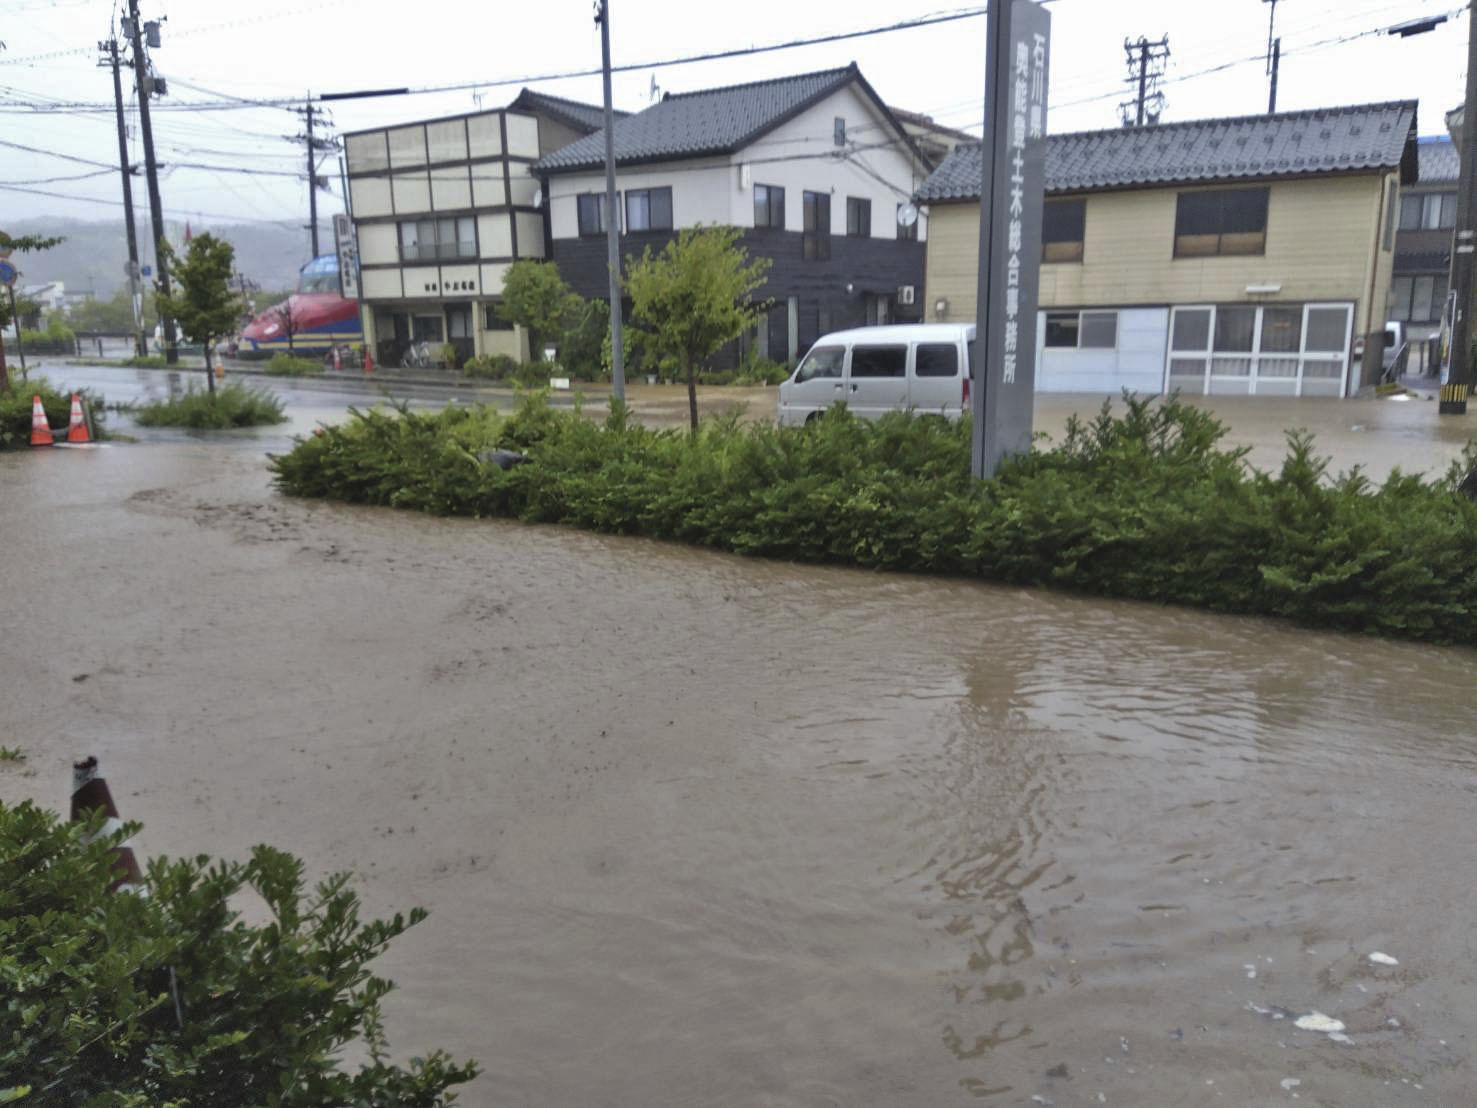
(1144, 502)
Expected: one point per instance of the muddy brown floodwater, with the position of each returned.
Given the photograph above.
(699, 830)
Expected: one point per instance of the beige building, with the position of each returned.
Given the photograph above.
(441, 208)
(1225, 256)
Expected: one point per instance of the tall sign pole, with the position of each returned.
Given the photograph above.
(1456, 375)
(612, 216)
(1017, 57)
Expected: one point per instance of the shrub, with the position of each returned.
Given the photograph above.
(292, 365)
(491, 367)
(761, 371)
(1147, 504)
(532, 375)
(15, 410)
(146, 361)
(234, 405)
(171, 998)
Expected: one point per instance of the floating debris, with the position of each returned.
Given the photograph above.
(1037, 1098)
(1340, 1037)
(1289, 1083)
(1383, 959)
(1317, 1021)
(1250, 970)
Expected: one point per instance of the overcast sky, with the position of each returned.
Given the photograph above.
(279, 49)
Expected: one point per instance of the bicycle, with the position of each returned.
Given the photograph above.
(417, 356)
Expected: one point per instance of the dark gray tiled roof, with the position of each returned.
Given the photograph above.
(1439, 160)
(580, 116)
(710, 121)
(1327, 140)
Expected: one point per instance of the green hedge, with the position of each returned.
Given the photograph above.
(1147, 504)
(292, 365)
(233, 405)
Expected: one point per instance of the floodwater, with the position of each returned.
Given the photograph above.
(700, 830)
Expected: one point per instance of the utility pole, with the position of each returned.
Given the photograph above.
(1146, 62)
(110, 49)
(312, 180)
(612, 217)
(1457, 382)
(156, 208)
(1276, 63)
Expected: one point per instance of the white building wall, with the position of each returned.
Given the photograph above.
(1136, 364)
(806, 145)
(700, 192)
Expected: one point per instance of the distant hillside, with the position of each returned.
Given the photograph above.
(94, 254)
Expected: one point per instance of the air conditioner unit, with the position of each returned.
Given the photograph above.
(906, 294)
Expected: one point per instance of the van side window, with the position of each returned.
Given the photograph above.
(879, 361)
(937, 359)
(823, 361)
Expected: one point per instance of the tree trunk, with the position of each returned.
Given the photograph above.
(692, 394)
(209, 374)
(4, 375)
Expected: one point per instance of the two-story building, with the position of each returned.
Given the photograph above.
(1423, 241)
(815, 169)
(1233, 256)
(441, 208)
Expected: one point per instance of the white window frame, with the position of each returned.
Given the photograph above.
(1251, 377)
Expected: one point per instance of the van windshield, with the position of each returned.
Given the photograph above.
(822, 361)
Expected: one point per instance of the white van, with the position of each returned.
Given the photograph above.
(923, 366)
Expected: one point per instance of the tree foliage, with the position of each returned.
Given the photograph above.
(691, 299)
(537, 299)
(113, 1000)
(23, 244)
(204, 306)
(114, 313)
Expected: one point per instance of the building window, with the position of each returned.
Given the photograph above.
(1062, 226)
(649, 209)
(1221, 221)
(816, 242)
(769, 206)
(906, 232)
(1081, 330)
(592, 213)
(445, 237)
(858, 217)
(492, 321)
(1418, 298)
(1430, 211)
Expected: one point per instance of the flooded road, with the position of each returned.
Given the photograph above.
(700, 830)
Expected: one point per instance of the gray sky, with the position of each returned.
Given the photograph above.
(279, 49)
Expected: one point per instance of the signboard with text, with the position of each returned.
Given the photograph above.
(348, 256)
(1018, 51)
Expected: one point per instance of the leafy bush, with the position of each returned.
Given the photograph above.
(113, 999)
(15, 410)
(1147, 504)
(761, 371)
(146, 361)
(234, 405)
(292, 365)
(491, 367)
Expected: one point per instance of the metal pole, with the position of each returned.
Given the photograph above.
(15, 317)
(138, 323)
(612, 218)
(1457, 382)
(151, 168)
(312, 181)
(1143, 77)
(1276, 61)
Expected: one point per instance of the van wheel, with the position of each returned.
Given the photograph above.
(811, 418)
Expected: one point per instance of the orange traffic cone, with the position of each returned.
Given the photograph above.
(90, 792)
(368, 361)
(40, 429)
(77, 428)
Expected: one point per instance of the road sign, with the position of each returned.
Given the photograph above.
(1018, 44)
(348, 256)
(147, 271)
(8, 273)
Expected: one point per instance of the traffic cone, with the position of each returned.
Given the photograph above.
(77, 428)
(90, 792)
(40, 429)
(368, 361)
(337, 360)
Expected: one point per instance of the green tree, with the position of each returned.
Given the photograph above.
(204, 307)
(24, 244)
(693, 297)
(113, 1000)
(537, 299)
(114, 313)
